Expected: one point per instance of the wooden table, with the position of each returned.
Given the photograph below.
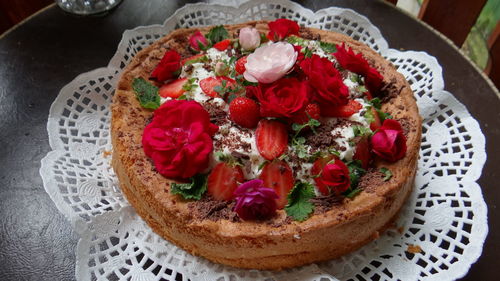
(48, 50)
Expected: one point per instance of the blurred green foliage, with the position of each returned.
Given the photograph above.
(475, 45)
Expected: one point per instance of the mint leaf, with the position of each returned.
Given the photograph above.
(295, 40)
(387, 173)
(312, 123)
(369, 114)
(352, 193)
(355, 78)
(193, 190)
(327, 47)
(217, 33)
(146, 93)
(375, 102)
(307, 52)
(360, 131)
(190, 85)
(383, 116)
(355, 173)
(196, 60)
(299, 207)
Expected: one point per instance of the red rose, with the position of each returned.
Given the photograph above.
(336, 176)
(168, 67)
(389, 142)
(282, 28)
(326, 80)
(197, 41)
(179, 139)
(358, 64)
(282, 98)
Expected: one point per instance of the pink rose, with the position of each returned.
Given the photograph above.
(178, 140)
(249, 38)
(270, 62)
(389, 142)
(198, 42)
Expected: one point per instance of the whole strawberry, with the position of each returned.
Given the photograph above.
(244, 112)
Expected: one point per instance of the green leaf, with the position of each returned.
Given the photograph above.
(375, 102)
(355, 78)
(190, 85)
(146, 93)
(196, 60)
(328, 47)
(299, 207)
(217, 33)
(383, 116)
(355, 173)
(369, 114)
(182, 97)
(352, 192)
(361, 131)
(295, 40)
(387, 173)
(307, 52)
(193, 190)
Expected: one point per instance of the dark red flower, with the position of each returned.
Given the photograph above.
(336, 176)
(179, 139)
(197, 41)
(326, 80)
(282, 98)
(282, 28)
(254, 201)
(358, 64)
(168, 68)
(389, 142)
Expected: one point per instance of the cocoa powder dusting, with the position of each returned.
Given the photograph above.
(209, 208)
(371, 180)
(323, 204)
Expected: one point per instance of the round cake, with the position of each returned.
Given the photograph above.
(264, 145)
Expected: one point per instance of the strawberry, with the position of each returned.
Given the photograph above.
(191, 59)
(278, 176)
(343, 110)
(173, 89)
(311, 111)
(240, 65)
(316, 169)
(223, 180)
(363, 152)
(222, 45)
(271, 138)
(376, 123)
(244, 112)
(208, 85)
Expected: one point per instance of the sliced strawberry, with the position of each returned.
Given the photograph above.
(223, 180)
(244, 112)
(222, 45)
(240, 65)
(342, 111)
(311, 111)
(271, 138)
(278, 176)
(173, 89)
(376, 123)
(208, 85)
(191, 59)
(316, 169)
(363, 152)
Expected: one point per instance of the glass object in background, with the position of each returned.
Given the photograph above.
(87, 7)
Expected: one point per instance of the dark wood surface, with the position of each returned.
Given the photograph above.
(49, 50)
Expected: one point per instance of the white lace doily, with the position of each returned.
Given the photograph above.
(445, 216)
